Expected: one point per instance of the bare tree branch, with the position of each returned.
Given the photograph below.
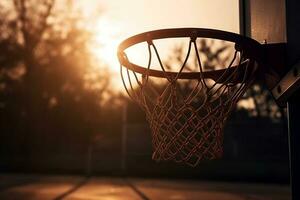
(44, 16)
(21, 11)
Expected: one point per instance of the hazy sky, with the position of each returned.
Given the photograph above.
(123, 18)
(135, 16)
(144, 15)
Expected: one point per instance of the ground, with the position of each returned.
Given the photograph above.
(42, 187)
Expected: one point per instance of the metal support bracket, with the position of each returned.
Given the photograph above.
(287, 85)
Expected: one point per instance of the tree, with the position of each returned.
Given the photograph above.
(50, 82)
(219, 54)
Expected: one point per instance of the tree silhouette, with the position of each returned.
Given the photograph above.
(51, 87)
(218, 54)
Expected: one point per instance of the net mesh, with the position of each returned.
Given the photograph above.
(187, 117)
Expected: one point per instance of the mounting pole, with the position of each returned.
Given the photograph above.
(124, 138)
(293, 106)
(293, 57)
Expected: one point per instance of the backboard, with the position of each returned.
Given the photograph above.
(270, 21)
(263, 21)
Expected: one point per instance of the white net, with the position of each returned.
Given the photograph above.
(187, 111)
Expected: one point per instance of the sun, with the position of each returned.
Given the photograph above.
(104, 45)
(107, 36)
(106, 41)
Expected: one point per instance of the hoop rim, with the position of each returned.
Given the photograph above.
(251, 47)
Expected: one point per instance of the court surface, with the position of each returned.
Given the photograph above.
(41, 187)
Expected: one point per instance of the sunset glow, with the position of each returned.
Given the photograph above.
(149, 99)
(121, 19)
(107, 42)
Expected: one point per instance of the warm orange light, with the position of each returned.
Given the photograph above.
(107, 36)
(104, 46)
(106, 42)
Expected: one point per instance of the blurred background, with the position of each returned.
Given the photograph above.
(63, 109)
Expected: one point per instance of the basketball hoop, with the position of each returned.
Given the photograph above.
(187, 122)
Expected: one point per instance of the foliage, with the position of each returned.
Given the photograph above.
(256, 102)
(51, 87)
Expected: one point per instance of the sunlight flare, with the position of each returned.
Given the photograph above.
(106, 42)
(107, 36)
